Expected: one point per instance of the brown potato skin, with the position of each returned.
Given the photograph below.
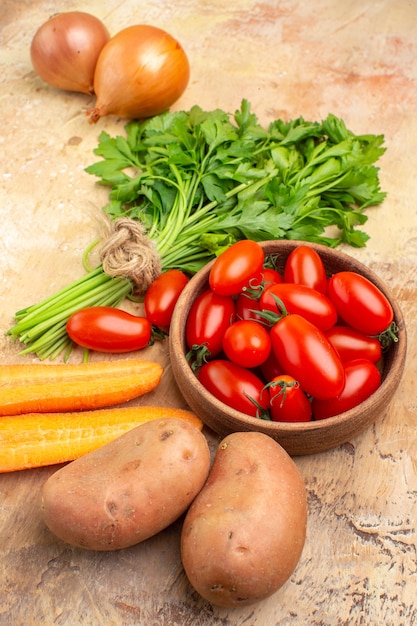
(244, 533)
(129, 489)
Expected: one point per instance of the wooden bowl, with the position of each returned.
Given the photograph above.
(297, 438)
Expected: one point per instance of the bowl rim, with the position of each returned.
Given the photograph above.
(397, 350)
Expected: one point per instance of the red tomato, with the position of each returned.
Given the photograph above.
(271, 368)
(245, 307)
(304, 301)
(305, 267)
(352, 344)
(246, 343)
(258, 284)
(288, 402)
(235, 385)
(106, 329)
(360, 303)
(270, 276)
(306, 354)
(362, 380)
(209, 316)
(236, 267)
(162, 295)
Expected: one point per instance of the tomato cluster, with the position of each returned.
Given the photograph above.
(112, 330)
(287, 347)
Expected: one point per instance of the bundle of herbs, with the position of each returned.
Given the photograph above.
(193, 182)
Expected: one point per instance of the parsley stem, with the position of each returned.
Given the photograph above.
(83, 284)
(43, 329)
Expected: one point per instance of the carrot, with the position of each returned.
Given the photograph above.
(34, 388)
(39, 439)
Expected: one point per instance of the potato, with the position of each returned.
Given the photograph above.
(244, 533)
(129, 489)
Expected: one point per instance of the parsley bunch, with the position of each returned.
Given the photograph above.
(199, 181)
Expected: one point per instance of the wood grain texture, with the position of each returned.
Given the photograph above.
(357, 60)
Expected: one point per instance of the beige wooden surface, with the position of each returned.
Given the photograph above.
(356, 59)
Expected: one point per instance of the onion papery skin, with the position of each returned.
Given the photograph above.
(65, 49)
(140, 73)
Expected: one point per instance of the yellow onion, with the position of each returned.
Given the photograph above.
(140, 72)
(65, 49)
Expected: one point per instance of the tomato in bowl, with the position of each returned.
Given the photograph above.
(324, 431)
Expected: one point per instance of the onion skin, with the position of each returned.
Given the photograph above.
(140, 73)
(65, 49)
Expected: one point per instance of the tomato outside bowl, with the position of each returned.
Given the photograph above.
(297, 438)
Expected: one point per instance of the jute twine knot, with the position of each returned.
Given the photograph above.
(130, 253)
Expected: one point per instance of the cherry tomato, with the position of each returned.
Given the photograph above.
(246, 343)
(288, 402)
(306, 354)
(209, 316)
(360, 303)
(245, 307)
(304, 301)
(162, 295)
(235, 385)
(352, 344)
(236, 267)
(305, 267)
(106, 329)
(362, 380)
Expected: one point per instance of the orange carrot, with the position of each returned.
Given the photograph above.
(44, 388)
(39, 439)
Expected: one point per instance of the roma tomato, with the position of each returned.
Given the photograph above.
(362, 380)
(352, 344)
(271, 368)
(304, 301)
(270, 277)
(106, 329)
(305, 267)
(236, 267)
(288, 402)
(162, 295)
(307, 355)
(209, 316)
(360, 303)
(245, 307)
(235, 385)
(246, 343)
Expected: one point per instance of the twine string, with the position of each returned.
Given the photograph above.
(130, 253)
